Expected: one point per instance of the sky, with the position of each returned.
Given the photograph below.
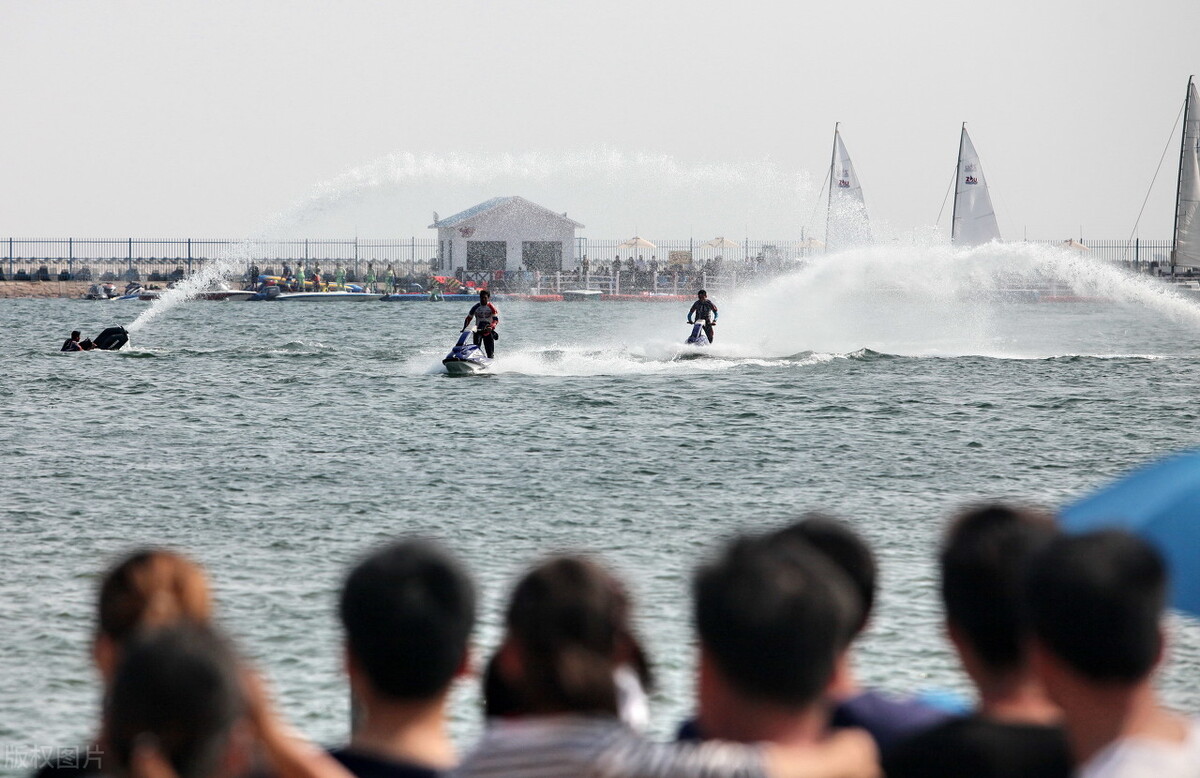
(665, 119)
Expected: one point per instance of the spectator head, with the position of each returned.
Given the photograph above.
(846, 549)
(177, 690)
(774, 619)
(1096, 601)
(150, 587)
(983, 559)
(408, 610)
(568, 630)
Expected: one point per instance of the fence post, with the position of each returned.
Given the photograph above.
(71, 258)
(1137, 254)
(306, 251)
(10, 259)
(189, 256)
(130, 265)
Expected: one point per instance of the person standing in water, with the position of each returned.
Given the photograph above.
(706, 310)
(486, 318)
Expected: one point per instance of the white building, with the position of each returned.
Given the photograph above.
(506, 233)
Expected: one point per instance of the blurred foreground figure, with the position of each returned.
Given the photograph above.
(1014, 732)
(408, 610)
(1096, 602)
(573, 673)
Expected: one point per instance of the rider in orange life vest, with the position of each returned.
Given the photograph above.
(706, 310)
(486, 318)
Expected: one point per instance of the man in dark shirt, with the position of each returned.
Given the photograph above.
(408, 610)
(72, 343)
(704, 310)
(1015, 731)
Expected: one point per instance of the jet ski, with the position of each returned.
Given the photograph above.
(111, 339)
(698, 336)
(466, 358)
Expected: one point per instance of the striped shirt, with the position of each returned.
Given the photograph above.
(598, 747)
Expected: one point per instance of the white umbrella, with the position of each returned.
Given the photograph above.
(721, 243)
(637, 243)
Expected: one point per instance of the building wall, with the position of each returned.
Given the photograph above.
(513, 223)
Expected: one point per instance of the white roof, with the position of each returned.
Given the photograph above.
(497, 202)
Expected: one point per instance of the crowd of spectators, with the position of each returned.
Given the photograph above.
(1059, 634)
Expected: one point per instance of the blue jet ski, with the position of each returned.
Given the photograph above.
(698, 337)
(466, 358)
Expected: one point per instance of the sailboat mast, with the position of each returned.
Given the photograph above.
(832, 162)
(1187, 111)
(957, 181)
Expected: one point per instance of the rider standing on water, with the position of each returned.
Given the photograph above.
(486, 318)
(706, 310)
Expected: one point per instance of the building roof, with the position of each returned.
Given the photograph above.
(494, 203)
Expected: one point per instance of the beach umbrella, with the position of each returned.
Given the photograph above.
(1160, 502)
(810, 245)
(637, 243)
(721, 243)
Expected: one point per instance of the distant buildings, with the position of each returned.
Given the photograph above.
(506, 233)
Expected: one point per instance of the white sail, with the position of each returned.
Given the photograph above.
(974, 217)
(846, 222)
(1186, 247)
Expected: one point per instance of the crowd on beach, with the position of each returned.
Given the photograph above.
(1061, 635)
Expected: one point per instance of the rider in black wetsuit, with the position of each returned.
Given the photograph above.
(486, 318)
(706, 310)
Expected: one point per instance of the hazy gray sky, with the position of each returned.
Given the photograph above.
(225, 119)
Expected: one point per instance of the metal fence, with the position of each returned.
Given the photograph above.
(168, 259)
(157, 259)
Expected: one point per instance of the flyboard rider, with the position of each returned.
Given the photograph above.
(706, 310)
(486, 318)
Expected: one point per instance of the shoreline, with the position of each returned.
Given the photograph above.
(15, 290)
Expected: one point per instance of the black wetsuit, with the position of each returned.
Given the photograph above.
(707, 310)
(486, 318)
(71, 345)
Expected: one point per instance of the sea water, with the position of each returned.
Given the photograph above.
(277, 442)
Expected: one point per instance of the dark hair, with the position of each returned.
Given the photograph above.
(408, 609)
(702, 292)
(74, 334)
(499, 697)
(569, 619)
(1095, 601)
(836, 540)
(485, 293)
(774, 617)
(178, 685)
(151, 587)
(983, 558)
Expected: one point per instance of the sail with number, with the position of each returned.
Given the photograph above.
(1185, 248)
(974, 217)
(846, 222)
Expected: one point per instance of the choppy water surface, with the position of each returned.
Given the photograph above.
(276, 442)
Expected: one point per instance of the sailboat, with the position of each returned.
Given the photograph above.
(846, 221)
(1185, 241)
(974, 218)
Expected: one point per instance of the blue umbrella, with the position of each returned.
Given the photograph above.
(1160, 502)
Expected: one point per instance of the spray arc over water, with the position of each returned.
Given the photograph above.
(758, 194)
(939, 300)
